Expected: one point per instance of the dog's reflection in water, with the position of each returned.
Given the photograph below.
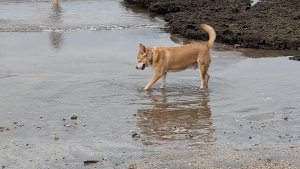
(176, 119)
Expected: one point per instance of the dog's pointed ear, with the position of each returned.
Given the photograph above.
(142, 48)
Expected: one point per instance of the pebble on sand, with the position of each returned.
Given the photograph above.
(74, 117)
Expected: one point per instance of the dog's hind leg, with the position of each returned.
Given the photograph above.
(154, 78)
(203, 75)
(206, 80)
(163, 81)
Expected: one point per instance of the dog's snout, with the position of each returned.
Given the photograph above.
(140, 66)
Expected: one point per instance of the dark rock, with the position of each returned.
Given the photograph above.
(89, 162)
(297, 58)
(74, 117)
(135, 136)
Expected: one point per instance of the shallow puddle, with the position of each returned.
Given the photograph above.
(51, 73)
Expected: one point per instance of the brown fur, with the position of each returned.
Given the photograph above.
(166, 59)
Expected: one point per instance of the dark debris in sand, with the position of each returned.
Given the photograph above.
(89, 162)
(4, 129)
(269, 24)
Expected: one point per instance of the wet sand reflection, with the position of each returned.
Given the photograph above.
(56, 2)
(55, 19)
(175, 120)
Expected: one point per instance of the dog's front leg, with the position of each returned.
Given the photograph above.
(163, 81)
(154, 78)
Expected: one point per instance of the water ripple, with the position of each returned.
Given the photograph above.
(48, 28)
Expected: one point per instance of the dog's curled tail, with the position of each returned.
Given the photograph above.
(211, 34)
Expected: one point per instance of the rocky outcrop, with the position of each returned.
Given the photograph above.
(270, 24)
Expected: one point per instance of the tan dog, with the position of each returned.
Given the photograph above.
(167, 59)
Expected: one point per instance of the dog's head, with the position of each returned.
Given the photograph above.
(142, 57)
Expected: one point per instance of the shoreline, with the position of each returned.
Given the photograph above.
(266, 25)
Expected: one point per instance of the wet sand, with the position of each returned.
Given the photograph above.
(248, 118)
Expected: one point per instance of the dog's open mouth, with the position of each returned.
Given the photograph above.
(143, 67)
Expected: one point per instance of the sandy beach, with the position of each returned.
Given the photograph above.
(71, 98)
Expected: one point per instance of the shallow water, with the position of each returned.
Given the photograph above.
(72, 15)
(58, 66)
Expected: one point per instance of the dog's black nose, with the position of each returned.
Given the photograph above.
(136, 67)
